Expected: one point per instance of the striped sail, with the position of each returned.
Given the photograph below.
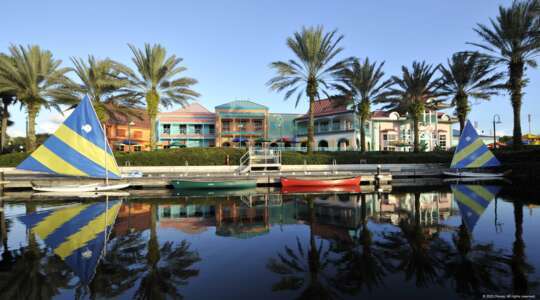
(471, 152)
(473, 200)
(77, 233)
(77, 148)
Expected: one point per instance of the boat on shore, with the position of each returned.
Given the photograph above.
(472, 158)
(320, 181)
(220, 184)
(78, 148)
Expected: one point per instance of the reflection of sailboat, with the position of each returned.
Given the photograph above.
(472, 153)
(76, 233)
(78, 148)
(473, 200)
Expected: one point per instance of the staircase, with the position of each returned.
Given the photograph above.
(260, 160)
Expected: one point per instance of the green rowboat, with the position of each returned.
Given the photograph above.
(214, 184)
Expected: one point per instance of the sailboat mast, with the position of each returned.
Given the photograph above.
(105, 151)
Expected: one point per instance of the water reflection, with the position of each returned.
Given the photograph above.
(324, 245)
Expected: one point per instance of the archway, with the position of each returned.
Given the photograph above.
(323, 145)
(274, 145)
(226, 145)
(343, 144)
(287, 144)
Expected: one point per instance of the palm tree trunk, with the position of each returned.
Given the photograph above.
(311, 125)
(518, 264)
(33, 110)
(362, 134)
(3, 130)
(462, 108)
(516, 86)
(153, 244)
(416, 142)
(152, 104)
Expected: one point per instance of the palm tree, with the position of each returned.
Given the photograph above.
(168, 266)
(7, 99)
(414, 93)
(511, 42)
(103, 82)
(313, 71)
(37, 80)
(363, 82)
(305, 270)
(468, 75)
(157, 82)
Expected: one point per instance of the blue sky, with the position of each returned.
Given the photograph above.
(227, 45)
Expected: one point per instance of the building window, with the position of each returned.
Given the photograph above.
(120, 132)
(323, 126)
(137, 134)
(119, 147)
(167, 128)
(137, 148)
(258, 125)
(211, 129)
(335, 125)
(182, 129)
(198, 129)
(226, 125)
(442, 141)
(242, 125)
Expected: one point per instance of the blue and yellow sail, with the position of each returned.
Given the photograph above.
(76, 233)
(77, 148)
(473, 200)
(471, 152)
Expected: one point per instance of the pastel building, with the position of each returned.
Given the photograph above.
(128, 133)
(190, 126)
(282, 130)
(240, 123)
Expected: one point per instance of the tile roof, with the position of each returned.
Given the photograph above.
(140, 118)
(193, 108)
(328, 107)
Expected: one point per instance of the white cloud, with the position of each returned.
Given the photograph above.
(51, 123)
(15, 132)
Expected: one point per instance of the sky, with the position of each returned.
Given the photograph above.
(228, 45)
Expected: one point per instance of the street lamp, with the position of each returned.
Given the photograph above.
(496, 120)
(129, 134)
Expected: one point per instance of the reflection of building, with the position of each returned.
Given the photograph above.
(241, 123)
(129, 133)
(132, 217)
(191, 126)
(189, 219)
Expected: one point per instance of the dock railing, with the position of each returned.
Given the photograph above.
(260, 159)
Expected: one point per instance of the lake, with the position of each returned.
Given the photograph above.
(450, 242)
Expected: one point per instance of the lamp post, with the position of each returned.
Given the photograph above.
(131, 123)
(496, 120)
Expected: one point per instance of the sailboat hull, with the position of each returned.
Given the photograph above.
(473, 174)
(81, 188)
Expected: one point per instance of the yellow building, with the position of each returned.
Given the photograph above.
(129, 133)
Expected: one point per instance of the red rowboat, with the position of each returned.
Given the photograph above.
(319, 181)
(349, 189)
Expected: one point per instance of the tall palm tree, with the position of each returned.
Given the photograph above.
(468, 75)
(106, 86)
(363, 82)
(312, 72)
(37, 80)
(157, 82)
(413, 93)
(7, 99)
(510, 42)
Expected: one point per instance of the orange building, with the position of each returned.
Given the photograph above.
(129, 133)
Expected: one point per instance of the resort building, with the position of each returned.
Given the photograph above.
(241, 123)
(281, 130)
(191, 126)
(129, 133)
(337, 128)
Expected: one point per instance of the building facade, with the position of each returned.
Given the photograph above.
(191, 126)
(129, 133)
(241, 123)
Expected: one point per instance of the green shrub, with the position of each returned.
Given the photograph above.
(179, 157)
(12, 159)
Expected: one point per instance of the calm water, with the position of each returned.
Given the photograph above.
(445, 244)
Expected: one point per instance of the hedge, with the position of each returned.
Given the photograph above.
(218, 156)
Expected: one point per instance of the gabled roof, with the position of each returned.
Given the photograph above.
(139, 117)
(325, 107)
(193, 108)
(242, 105)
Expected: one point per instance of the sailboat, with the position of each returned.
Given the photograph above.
(76, 233)
(471, 153)
(79, 148)
(472, 200)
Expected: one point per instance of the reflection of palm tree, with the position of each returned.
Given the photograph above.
(417, 253)
(518, 264)
(295, 266)
(361, 264)
(167, 267)
(474, 268)
(35, 275)
(119, 269)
